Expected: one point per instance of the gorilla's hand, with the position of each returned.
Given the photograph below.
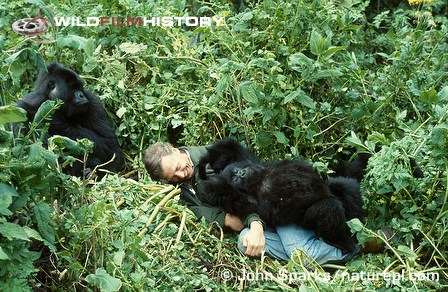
(209, 172)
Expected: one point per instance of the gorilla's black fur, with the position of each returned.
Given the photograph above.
(81, 116)
(356, 168)
(280, 192)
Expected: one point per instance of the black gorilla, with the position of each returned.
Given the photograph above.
(280, 192)
(80, 116)
(356, 168)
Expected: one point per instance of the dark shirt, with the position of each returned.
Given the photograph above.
(195, 201)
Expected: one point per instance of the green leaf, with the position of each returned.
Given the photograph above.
(3, 255)
(12, 114)
(354, 140)
(305, 100)
(443, 93)
(89, 65)
(263, 139)
(250, 111)
(118, 258)
(71, 41)
(32, 233)
(358, 113)
(248, 91)
(15, 62)
(281, 138)
(15, 56)
(429, 96)
(132, 48)
(330, 52)
(13, 231)
(6, 194)
(63, 142)
(300, 59)
(34, 154)
(300, 96)
(318, 44)
(355, 224)
(247, 16)
(104, 281)
(51, 158)
(89, 48)
(223, 84)
(42, 213)
(406, 252)
(5, 138)
(121, 111)
(327, 73)
(263, 63)
(290, 97)
(44, 112)
(269, 114)
(117, 69)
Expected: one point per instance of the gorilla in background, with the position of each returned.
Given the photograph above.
(281, 192)
(80, 116)
(356, 167)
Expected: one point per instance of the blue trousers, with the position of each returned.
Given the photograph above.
(283, 240)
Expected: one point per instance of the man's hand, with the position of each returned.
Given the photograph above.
(233, 222)
(254, 240)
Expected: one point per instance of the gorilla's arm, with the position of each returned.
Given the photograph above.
(31, 103)
(216, 191)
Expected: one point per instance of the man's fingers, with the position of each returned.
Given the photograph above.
(249, 247)
(253, 250)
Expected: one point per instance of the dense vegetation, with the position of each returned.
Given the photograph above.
(320, 80)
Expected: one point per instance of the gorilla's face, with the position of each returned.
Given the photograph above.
(242, 175)
(64, 84)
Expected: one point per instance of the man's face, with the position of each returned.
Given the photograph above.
(176, 167)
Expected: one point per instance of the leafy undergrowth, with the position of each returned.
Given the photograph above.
(58, 232)
(136, 236)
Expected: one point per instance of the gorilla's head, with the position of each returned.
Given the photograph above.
(64, 84)
(243, 176)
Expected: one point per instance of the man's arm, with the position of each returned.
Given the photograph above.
(254, 240)
(233, 222)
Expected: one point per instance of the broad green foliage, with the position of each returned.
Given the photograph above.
(320, 80)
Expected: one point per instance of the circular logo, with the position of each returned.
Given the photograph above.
(35, 28)
(226, 275)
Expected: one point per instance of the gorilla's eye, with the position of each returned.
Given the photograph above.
(51, 85)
